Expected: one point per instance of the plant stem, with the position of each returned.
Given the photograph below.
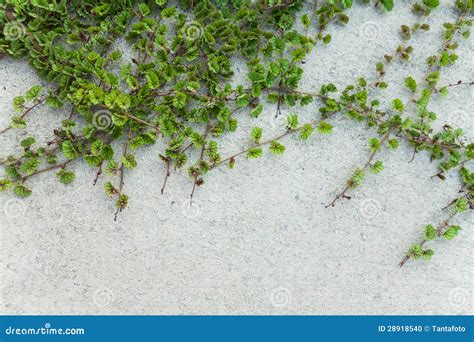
(167, 174)
(57, 166)
(439, 231)
(196, 174)
(125, 150)
(372, 155)
(29, 109)
(266, 142)
(459, 83)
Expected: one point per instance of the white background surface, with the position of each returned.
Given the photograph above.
(258, 240)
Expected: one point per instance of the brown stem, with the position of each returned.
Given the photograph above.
(193, 93)
(99, 172)
(201, 156)
(266, 142)
(436, 66)
(142, 121)
(57, 166)
(29, 109)
(439, 232)
(71, 113)
(121, 184)
(168, 173)
(459, 83)
(342, 194)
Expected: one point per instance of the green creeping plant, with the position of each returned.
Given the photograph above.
(177, 89)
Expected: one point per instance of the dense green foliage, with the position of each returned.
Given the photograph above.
(175, 86)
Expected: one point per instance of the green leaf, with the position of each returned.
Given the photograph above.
(107, 152)
(327, 38)
(112, 168)
(22, 191)
(305, 20)
(33, 92)
(152, 79)
(427, 254)
(451, 232)
(461, 205)
(387, 4)
(398, 105)
(298, 54)
(109, 189)
(356, 178)
(431, 3)
(254, 152)
(276, 148)
(144, 9)
(374, 144)
(12, 172)
(18, 103)
(179, 101)
(123, 101)
(30, 166)
(96, 147)
(28, 142)
(377, 167)
(292, 121)
(410, 84)
(17, 122)
(197, 139)
(53, 102)
(306, 131)
(415, 251)
(443, 91)
(122, 202)
(115, 55)
(256, 111)
(209, 38)
(433, 77)
(256, 134)
(232, 125)
(324, 127)
(68, 150)
(347, 3)
(393, 143)
(118, 120)
(212, 148)
(4, 184)
(223, 114)
(66, 177)
(430, 232)
(129, 161)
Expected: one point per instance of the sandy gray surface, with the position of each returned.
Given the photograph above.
(258, 240)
